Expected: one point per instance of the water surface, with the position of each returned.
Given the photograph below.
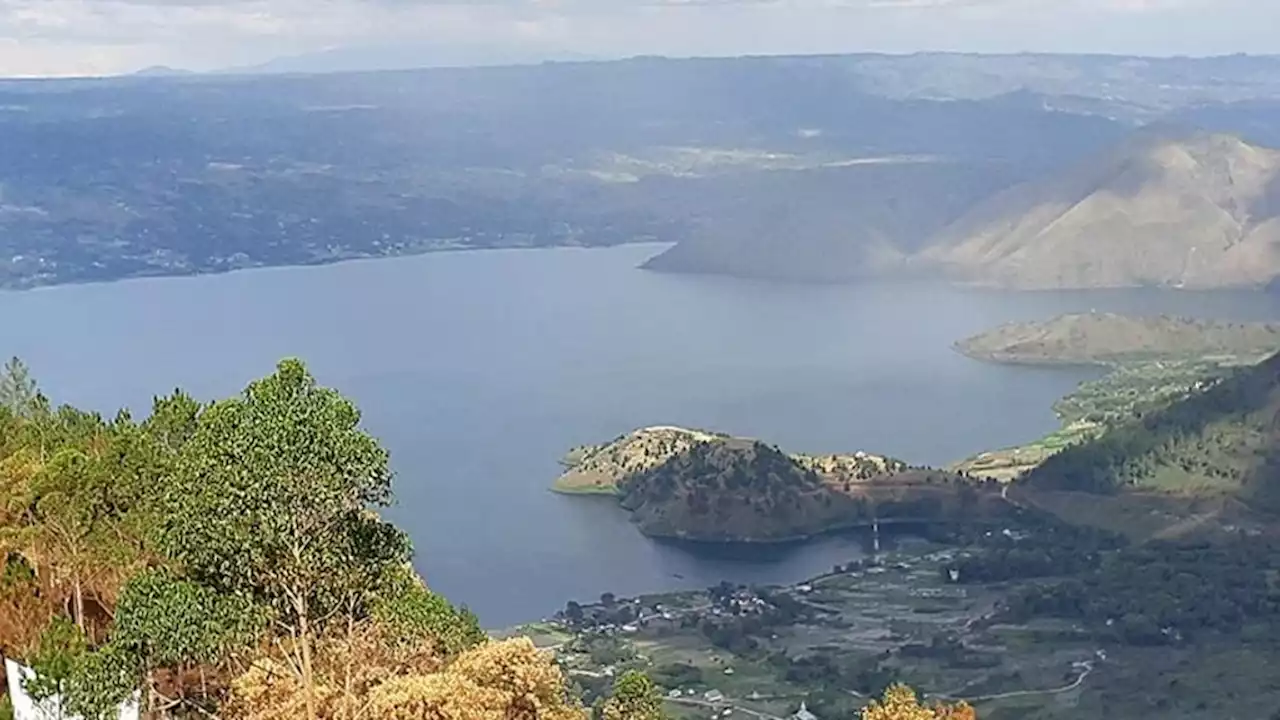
(479, 369)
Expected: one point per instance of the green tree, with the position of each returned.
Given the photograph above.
(61, 646)
(410, 612)
(164, 622)
(634, 697)
(272, 499)
(18, 391)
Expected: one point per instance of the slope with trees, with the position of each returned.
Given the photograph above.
(227, 560)
(1223, 439)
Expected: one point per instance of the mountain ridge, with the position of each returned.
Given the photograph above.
(1195, 210)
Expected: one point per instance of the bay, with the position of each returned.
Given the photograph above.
(479, 369)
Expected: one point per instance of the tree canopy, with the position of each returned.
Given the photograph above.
(227, 559)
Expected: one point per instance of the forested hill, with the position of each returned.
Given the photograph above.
(226, 560)
(1225, 439)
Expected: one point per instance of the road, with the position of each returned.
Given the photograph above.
(725, 704)
(1088, 669)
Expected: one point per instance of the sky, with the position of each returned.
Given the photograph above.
(102, 37)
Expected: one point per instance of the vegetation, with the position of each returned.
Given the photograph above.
(1154, 362)
(702, 486)
(1221, 439)
(226, 560)
(900, 703)
(1110, 339)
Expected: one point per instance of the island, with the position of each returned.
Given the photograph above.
(704, 486)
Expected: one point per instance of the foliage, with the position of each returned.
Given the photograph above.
(234, 545)
(900, 703)
(493, 681)
(54, 662)
(1220, 437)
(634, 697)
(411, 613)
(170, 622)
(18, 391)
(1165, 592)
(272, 500)
(100, 682)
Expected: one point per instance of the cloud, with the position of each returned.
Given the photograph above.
(103, 36)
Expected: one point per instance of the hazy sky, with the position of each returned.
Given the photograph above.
(62, 37)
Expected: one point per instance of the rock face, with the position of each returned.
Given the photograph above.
(696, 485)
(1109, 338)
(1161, 210)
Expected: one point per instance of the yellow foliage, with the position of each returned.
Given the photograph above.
(359, 678)
(900, 703)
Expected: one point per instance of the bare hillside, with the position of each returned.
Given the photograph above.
(1197, 212)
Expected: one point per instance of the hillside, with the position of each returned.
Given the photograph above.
(1220, 440)
(831, 224)
(604, 468)
(695, 485)
(1108, 338)
(1196, 211)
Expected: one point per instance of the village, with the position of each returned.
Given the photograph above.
(819, 649)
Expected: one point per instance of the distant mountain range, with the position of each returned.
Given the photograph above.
(1020, 171)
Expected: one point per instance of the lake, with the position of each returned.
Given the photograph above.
(479, 369)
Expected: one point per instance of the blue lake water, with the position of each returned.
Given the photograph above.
(479, 369)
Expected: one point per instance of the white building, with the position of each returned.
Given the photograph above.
(804, 714)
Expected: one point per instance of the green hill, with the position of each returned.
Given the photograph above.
(1223, 439)
(704, 486)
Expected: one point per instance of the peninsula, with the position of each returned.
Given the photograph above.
(1108, 339)
(703, 486)
(1154, 361)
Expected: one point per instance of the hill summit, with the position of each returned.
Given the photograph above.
(1194, 211)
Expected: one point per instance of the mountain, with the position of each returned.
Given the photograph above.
(370, 58)
(162, 71)
(1108, 338)
(1222, 440)
(1195, 211)
(836, 223)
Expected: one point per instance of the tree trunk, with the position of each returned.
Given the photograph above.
(304, 639)
(351, 651)
(79, 597)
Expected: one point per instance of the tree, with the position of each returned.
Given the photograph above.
(71, 503)
(272, 499)
(163, 622)
(900, 703)
(634, 697)
(573, 612)
(18, 391)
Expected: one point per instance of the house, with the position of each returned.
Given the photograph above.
(804, 714)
